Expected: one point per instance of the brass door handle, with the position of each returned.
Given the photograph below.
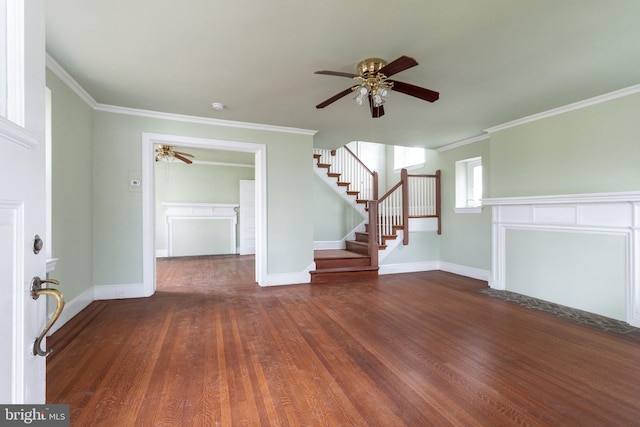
(36, 291)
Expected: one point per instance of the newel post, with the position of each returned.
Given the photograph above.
(375, 185)
(404, 179)
(373, 231)
(438, 202)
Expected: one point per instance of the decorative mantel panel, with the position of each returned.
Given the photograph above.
(613, 216)
(197, 212)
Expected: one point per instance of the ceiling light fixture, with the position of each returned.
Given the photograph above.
(218, 106)
(166, 153)
(373, 84)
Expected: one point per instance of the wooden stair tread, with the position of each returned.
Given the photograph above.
(345, 269)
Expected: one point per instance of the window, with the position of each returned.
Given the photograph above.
(469, 185)
(12, 60)
(407, 157)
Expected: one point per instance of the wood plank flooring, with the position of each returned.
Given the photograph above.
(211, 348)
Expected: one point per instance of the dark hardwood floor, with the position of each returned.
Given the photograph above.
(211, 348)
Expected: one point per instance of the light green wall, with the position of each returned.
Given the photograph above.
(466, 237)
(580, 270)
(199, 183)
(590, 150)
(72, 185)
(333, 217)
(118, 211)
(423, 246)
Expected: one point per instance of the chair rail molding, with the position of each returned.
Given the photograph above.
(596, 213)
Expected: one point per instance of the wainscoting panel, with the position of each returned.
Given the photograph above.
(579, 250)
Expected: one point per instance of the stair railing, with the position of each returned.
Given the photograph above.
(356, 173)
(391, 213)
(414, 196)
(424, 197)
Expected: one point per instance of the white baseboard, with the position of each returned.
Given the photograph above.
(162, 253)
(409, 267)
(132, 290)
(301, 277)
(72, 308)
(474, 273)
(413, 267)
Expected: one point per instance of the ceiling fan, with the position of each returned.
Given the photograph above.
(374, 84)
(166, 153)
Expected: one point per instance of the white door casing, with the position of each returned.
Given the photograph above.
(247, 217)
(149, 140)
(22, 216)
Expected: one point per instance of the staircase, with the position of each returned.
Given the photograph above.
(415, 196)
(354, 262)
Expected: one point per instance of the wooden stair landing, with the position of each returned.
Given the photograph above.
(335, 265)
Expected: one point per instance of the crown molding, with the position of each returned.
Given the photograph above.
(60, 72)
(66, 78)
(462, 143)
(570, 107)
(201, 120)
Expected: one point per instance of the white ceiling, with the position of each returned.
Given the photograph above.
(492, 61)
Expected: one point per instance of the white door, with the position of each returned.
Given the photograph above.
(247, 217)
(22, 199)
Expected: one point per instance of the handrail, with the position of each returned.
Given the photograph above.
(414, 196)
(356, 173)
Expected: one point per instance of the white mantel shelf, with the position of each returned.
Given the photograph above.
(601, 213)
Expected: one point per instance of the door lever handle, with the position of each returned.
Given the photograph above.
(36, 291)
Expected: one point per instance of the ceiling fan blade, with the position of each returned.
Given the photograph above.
(375, 111)
(400, 64)
(417, 91)
(184, 154)
(334, 98)
(336, 73)
(184, 159)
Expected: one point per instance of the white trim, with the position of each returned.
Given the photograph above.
(597, 213)
(128, 290)
(60, 72)
(475, 210)
(297, 278)
(148, 197)
(201, 120)
(463, 270)
(51, 264)
(570, 107)
(624, 196)
(408, 267)
(17, 134)
(56, 69)
(462, 143)
(72, 308)
(234, 165)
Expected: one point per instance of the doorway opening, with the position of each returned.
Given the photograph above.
(149, 141)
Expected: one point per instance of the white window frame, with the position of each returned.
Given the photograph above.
(12, 62)
(467, 185)
(408, 158)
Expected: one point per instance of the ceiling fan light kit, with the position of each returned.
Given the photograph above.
(374, 86)
(166, 153)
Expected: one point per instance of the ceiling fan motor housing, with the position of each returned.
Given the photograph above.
(370, 66)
